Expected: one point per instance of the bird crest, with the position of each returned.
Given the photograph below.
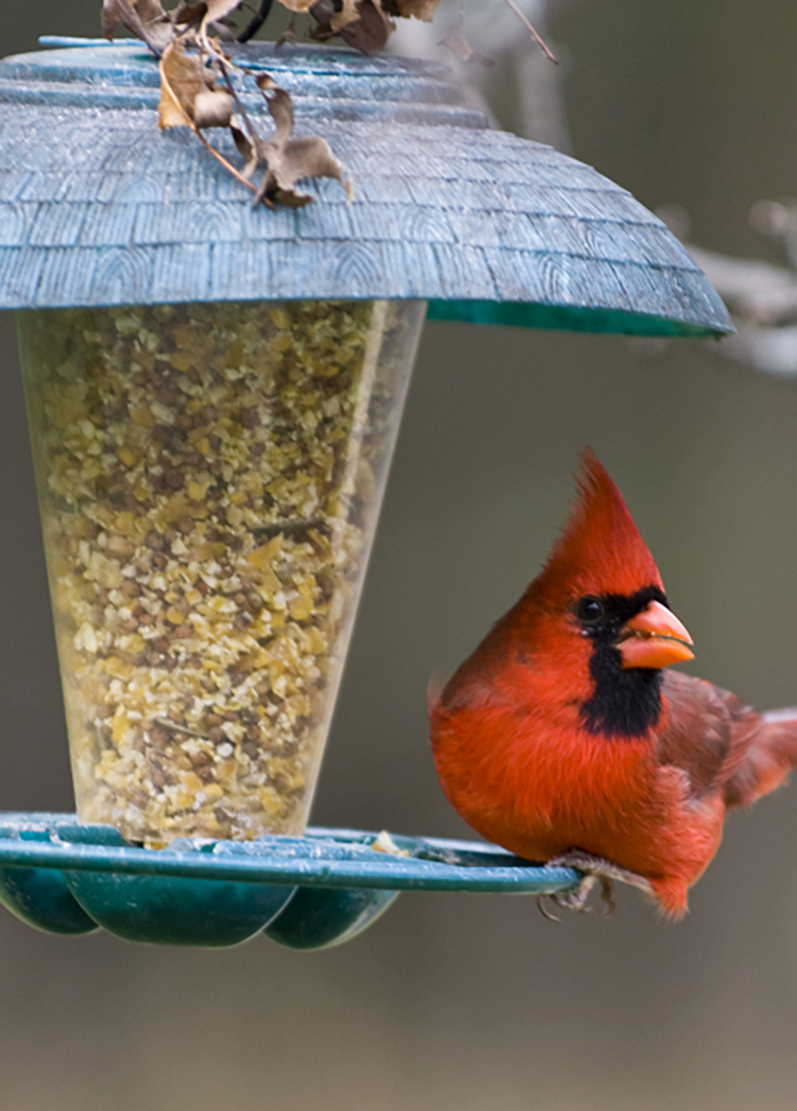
(600, 549)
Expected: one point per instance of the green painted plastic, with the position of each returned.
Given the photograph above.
(208, 913)
(515, 314)
(41, 898)
(308, 892)
(168, 910)
(318, 918)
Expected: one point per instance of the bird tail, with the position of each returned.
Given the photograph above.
(769, 756)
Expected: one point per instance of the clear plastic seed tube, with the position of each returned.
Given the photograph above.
(209, 480)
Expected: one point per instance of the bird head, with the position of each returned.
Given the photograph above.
(598, 613)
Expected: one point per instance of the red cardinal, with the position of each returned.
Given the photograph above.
(564, 740)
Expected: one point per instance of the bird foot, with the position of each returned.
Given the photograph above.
(596, 871)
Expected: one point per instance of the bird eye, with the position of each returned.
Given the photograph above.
(589, 610)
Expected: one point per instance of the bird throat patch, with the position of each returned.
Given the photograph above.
(626, 703)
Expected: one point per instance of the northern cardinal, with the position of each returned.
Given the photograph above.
(563, 739)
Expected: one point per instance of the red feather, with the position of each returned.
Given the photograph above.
(521, 760)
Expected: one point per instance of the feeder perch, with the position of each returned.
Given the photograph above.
(214, 394)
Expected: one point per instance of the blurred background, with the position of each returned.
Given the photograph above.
(457, 1002)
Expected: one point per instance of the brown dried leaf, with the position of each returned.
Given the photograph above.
(280, 107)
(213, 108)
(145, 19)
(150, 11)
(184, 82)
(345, 16)
(297, 5)
(245, 148)
(219, 9)
(363, 24)
(186, 14)
(189, 97)
(323, 14)
(304, 157)
(183, 78)
(368, 32)
(411, 9)
(456, 41)
(289, 159)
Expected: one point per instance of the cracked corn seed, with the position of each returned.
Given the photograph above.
(209, 480)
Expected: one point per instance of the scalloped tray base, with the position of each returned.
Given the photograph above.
(311, 892)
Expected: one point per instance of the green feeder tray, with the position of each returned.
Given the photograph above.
(312, 892)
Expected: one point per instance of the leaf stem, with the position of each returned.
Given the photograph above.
(227, 165)
(221, 60)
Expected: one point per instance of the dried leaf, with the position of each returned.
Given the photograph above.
(150, 11)
(457, 42)
(190, 63)
(187, 14)
(280, 107)
(145, 19)
(218, 9)
(297, 5)
(306, 156)
(213, 108)
(183, 78)
(368, 33)
(345, 16)
(245, 148)
(323, 14)
(184, 81)
(365, 24)
(411, 9)
(290, 160)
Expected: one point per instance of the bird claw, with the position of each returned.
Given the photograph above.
(578, 900)
(594, 871)
(543, 909)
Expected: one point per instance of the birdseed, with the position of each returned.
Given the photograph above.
(209, 480)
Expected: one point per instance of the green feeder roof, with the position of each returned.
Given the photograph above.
(98, 207)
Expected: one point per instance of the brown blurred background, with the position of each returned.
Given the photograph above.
(455, 1002)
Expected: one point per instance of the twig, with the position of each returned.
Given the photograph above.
(537, 38)
(221, 60)
(764, 294)
(227, 165)
(253, 26)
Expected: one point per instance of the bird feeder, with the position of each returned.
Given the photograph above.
(214, 393)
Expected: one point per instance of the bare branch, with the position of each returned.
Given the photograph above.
(537, 38)
(761, 293)
(262, 12)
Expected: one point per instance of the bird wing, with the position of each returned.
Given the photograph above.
(721, 743)
(698, 735)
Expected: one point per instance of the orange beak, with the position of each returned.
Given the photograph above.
(654, 638)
